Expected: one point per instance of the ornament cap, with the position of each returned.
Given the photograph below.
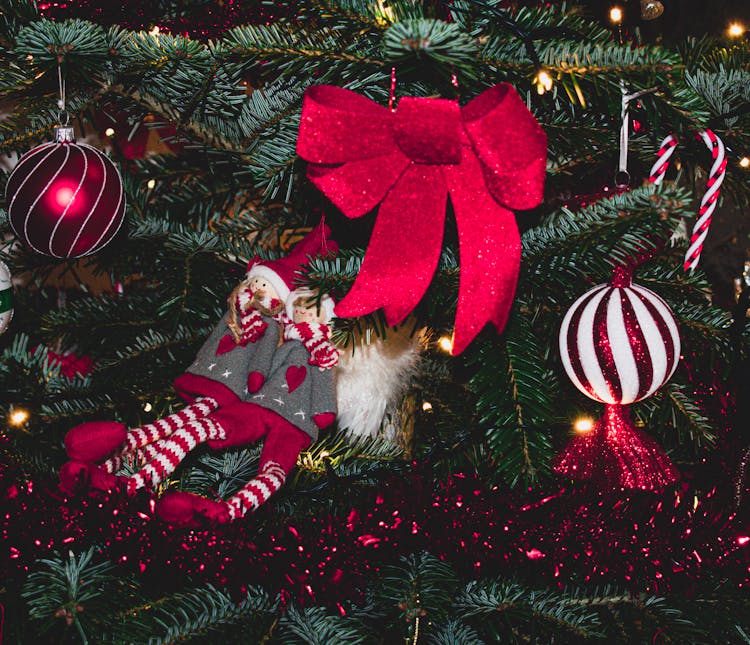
(64, 133)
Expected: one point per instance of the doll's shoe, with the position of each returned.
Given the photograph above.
(94, 441)
(75, 474)
(189, 510)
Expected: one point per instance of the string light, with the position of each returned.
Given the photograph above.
(615, 15)
(151, 183)
(325, 454)
(736, 29)
(745, 162)
(110, 132)
(154, 30)
(583, 425)
(427, 406)
(446, 344)
(543, 81)
(148, 407)
(18, 417)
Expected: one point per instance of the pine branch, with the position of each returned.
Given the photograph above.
(314, 626)
(527, 609)
(514, 413)
(71, 589)
(198, 612)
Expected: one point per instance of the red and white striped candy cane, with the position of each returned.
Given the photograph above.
(666, 150)
(710, 197)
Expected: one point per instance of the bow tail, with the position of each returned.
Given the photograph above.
(404, 248)
(490, 253)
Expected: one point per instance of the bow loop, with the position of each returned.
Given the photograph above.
(339, 125)
(428, 130)
(510, 144)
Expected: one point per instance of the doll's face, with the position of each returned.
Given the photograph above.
(305, 310)
(259, 284)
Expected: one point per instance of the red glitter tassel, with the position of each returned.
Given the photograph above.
(616, 454)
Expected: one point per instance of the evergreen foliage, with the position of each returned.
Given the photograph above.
(232, 188)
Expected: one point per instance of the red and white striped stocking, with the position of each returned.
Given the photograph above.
(257, 491)
(168, 453)
(139, 437)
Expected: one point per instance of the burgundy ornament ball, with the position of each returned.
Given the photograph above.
(65, 199)
(619, 344)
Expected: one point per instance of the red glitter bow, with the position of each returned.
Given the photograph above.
(489, 155)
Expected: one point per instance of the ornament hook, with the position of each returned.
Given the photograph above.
(622, 176)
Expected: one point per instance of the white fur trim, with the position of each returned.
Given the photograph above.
(262, 271)
(372, 379)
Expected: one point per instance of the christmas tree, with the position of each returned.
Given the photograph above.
(482, 483)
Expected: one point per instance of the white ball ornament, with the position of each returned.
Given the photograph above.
(619, 344)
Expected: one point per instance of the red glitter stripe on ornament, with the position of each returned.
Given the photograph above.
(603, 347)
(637, 346)
(574, 351)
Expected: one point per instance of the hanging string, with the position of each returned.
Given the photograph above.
(62, 115)
(622, 178)
(392, 96)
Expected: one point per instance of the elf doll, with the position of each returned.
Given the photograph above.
(237, 361)
(287, 412)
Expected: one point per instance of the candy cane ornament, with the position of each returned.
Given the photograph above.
(710, 197)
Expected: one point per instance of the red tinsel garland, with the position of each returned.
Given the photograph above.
(642, 542)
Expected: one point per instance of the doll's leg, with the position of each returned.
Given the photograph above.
(139, 455)
(95, 441)
(168, 453)
(162, 428)
(138, 438)
(282, 446)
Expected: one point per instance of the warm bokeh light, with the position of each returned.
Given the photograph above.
(110, 132)
(151, 183)
(615, 15)
(745, 162)
(543, 81)
(583, 425)
(736, 29)
(18, 417)
(427, 406)
(446, 344)
(155, 30)
(147, 407)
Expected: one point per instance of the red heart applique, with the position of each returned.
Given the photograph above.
(295, 375)
(226, 344)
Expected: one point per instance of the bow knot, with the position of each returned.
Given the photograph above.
(428, 130)
(489, 156)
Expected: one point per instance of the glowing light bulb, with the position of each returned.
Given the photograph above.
(745, 162)
(615, 15)
(583, 425)
(325, 454)
(110, 132)
(427, 406)
(151, 183)
(543, 81)
(18, 417)
(154, 30)
(147, 407)
(736, 29)
(446, 344)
